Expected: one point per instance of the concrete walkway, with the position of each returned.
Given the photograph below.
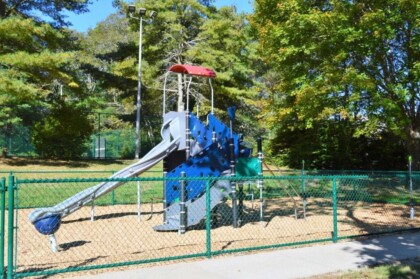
(286, 263)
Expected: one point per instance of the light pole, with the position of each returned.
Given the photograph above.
(153, 14)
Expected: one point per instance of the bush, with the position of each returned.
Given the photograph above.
(62, 133)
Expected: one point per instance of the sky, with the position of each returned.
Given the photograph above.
(100, 9)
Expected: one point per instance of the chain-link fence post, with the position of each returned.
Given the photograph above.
(303, 190)
(411, 187)
(334, 197)
(2, 227)
(208, 219)
(113, 194)
(10, 227)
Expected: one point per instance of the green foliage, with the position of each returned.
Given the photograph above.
(343, 61)
(39, 63)
(330, 145)
(32, 65)
(52, 9)
(63, 132)
(191, 32)
(407, 269)
(225, 43)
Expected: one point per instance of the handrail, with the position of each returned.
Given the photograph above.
(285, 188)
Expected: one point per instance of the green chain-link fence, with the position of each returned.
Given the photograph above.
(108, 144)
(263, 212)
(66, 174)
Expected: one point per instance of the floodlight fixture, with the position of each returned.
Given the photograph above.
(153, 14)
(131, 9)
(142, 12)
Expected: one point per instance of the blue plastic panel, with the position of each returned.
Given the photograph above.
(223, 133)
(199, 131)
(211, 162)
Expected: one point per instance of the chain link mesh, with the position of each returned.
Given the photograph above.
(377, 204)
(114, 229)
(119, 227)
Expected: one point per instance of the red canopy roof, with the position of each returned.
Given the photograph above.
(192, 70)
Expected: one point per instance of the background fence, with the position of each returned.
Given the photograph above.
(118, 229)
(105, 144)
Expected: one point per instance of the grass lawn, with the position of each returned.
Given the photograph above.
(28, 164)
(50, 193)
(407, 269)
(47, 194)
(25, 168)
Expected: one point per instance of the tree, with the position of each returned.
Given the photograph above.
(355, 61)
(226, 43)
(38, 62)
(184, 32)
(51, 9)
(63, 132)
(33, 65)
(166, 42)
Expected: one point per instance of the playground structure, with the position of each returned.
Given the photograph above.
(198, 160)
(189, 148)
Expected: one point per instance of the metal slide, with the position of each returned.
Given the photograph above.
(196, 208)
(171, 138)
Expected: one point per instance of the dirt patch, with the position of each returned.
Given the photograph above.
(117, 235)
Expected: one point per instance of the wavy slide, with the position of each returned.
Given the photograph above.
(170, 142)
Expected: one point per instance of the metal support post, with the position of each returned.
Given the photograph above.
(187, 135)
(411, 188)
(260, 181)
(233, 184)
(164, 197)
(303, 190)
(182, 206)
(92, 210)
(113, 197)
(334, 197)
(138, 99)
(53, 243)
(10, 227)
(213, 136)
(241, 203)
(2, 225)
(208, 220)
(99, 136)
(138, 201)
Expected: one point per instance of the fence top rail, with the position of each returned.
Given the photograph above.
(209, 178)
(352, 172)
(63, 171)
(71, 171)
(281, 172)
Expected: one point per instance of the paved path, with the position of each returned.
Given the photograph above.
(286, 263)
